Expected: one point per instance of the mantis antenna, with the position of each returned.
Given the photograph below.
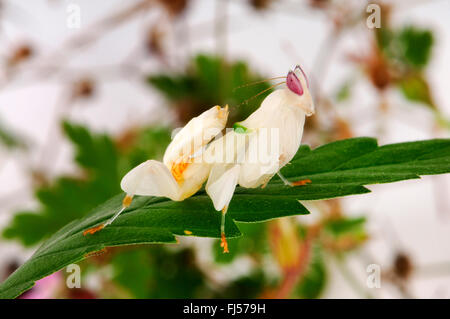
(269, 88)
(257, 82)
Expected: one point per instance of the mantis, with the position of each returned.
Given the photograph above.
(199, 153)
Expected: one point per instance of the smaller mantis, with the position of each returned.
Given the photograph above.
(184, 169)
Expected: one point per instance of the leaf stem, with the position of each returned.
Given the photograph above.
(351, 280)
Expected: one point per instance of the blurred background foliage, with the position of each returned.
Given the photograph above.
(211, 80)
(282, 258)
(102, 161)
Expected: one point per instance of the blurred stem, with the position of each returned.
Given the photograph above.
(221, 27)
(185, 34)
(401, 287)
(52, 142)
(441, 121)
(40, 67)
(293, 276)
(383, 114)
(434, 270)
(350, 278)
(323, 60)
(440, 193)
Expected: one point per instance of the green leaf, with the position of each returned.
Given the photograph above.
(158, 272)
(335, 169)
(415, 45)
(415, 88)
(344, 233)
(384, 37)
(94, 153)
(208, 81)
(148, 220)
(173, 87)
(9, 139)
(138, 263)
(314, 280)
(249, 286)
(103, 163)
(344, 225)
(150, 142)
(343, 167)
(254, 242)
(68, 198)
(29, 227)
(409, 47)
(344, 92)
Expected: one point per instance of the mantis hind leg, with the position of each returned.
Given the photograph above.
(125, 203)
(292, 184)
(220, 188)
(223, 238)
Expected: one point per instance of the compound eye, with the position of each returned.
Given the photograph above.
(294, 84)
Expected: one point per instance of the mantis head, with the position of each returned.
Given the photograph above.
(297, 83)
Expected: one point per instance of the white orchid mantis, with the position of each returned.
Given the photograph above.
(249, 155)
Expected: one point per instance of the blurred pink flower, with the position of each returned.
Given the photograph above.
(45, 288)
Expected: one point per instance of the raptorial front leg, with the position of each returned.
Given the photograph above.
(293, 184)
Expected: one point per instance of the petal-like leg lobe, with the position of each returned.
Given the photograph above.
(151, 178)
(221, 184)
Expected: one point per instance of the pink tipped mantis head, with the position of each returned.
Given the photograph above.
(297, 83)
